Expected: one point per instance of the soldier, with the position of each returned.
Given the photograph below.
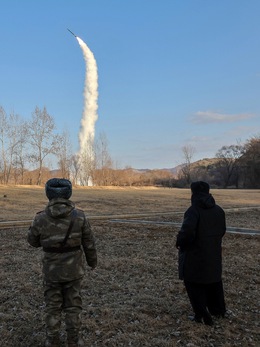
(64, 233)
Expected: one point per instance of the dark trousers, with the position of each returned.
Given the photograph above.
(206, 300)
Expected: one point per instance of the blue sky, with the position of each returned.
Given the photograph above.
(172, 73)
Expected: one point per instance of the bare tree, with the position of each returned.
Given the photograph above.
(75, 168)
(42, 138)
(64, 154)
(103, 162)
(20, 153)
(186, 170)
(86, 163)
(250, 162)
(11, 137)
(228, 163)
(3, 135)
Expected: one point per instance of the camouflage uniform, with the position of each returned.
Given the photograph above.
(63, 267)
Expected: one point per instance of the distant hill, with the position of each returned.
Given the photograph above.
(175, 170)
(205, 162)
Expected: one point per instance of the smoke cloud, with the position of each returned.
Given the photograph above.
(89, 116)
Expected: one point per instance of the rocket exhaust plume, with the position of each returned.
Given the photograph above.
(89, 116)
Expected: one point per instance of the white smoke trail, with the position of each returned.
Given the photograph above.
(89, 117)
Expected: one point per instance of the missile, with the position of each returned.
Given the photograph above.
(71, 32)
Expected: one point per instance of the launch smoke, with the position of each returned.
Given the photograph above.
(90, 116)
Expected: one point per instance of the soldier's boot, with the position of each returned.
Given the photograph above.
(52, 341)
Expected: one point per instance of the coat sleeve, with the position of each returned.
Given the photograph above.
(88, 243)
(187, 233)
(33, 235)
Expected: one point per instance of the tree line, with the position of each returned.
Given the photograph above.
(236, 166)
(27, 145)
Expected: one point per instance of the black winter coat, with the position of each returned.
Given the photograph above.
(199, 240)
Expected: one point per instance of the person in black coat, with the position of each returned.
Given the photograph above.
(200, 259)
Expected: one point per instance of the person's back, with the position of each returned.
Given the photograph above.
(52, 225)
(64, 233)
(203, 256)
(200, 260)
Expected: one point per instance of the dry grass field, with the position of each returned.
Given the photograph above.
(134, 297)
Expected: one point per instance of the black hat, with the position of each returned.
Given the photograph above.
(58, 188)
(199, 187)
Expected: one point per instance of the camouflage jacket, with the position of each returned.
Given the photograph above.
(48, 230)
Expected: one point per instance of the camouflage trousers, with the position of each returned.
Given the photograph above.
(63, 297)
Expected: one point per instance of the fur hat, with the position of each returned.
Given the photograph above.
(199, 187)
(58, 188)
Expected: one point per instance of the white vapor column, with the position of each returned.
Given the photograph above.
(89, 117)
